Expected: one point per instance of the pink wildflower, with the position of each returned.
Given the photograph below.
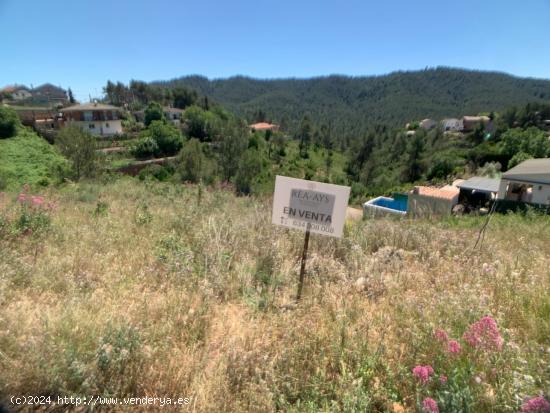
(37, 200)
(441, 335)
(536, 405)
(429, 405)
(443, 379)
(453, 347)
(22, 198)
(484, 334)
(423, 373)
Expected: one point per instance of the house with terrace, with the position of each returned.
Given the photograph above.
(98, 119)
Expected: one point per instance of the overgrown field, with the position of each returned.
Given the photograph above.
(132, 288)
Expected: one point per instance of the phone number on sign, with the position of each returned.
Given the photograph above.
(313, 226)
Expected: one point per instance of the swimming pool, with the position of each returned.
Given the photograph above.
(383, 205)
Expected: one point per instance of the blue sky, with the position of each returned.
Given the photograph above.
(82, 43)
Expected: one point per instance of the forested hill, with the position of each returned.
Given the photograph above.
(351, 104)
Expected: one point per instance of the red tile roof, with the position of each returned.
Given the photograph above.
(445, 193)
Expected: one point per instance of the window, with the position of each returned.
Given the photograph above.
(107, 125)
(91, 126)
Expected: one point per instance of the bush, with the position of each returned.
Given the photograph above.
(9, 121)
(192, 163)
(249, 167)
(167, 136)
(159, 139)
(146, 147)
(158, 172)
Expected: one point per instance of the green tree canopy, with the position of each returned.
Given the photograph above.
(153, 112)
(9, 121)
(79, 147)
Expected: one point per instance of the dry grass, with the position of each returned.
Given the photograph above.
(137, 290)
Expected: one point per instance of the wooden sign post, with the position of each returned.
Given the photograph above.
(311, 207)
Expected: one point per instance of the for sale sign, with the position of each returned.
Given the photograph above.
(302, 204)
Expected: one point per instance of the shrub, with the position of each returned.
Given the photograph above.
(159, 139)
(9, 121)
(167, 136)
(192, 163)
(249, 167)
(158, 172)
(146, 147)
(34, 215)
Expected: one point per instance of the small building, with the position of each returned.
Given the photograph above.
(264, 126)
(427, 124)
(470, 123)
(451, 125)
(425, 201)
(527, 182)
(173, 115)
(477, 191)
(96, 118)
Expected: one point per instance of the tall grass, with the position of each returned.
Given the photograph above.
(137, 289)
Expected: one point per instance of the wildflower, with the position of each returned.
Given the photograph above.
(536, 405)
(441, 335)
(22, 198)
(477, 379)
(484, 334)
(453, 347)
(487, 268)
(443, 379)
(37, 201)
(429, 405)
(423, 373)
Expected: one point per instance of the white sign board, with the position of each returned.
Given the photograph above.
(298, 203)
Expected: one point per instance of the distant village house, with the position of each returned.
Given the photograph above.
(17, 92)
(427, 124)
(96, 118)
(451, 125)
(264, 126)
(470, 123)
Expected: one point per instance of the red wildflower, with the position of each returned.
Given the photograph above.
(536, 405)
(484, 334)
(453, 347)
(423, 373)
(429, 405)
(441, 335)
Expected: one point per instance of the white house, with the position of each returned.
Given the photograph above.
(527, 182)
(96, 118)
(451, 125)
(427, 124)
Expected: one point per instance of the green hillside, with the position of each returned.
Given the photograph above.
(28, 159)
(350, 105)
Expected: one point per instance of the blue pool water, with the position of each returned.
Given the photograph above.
(399, 204)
